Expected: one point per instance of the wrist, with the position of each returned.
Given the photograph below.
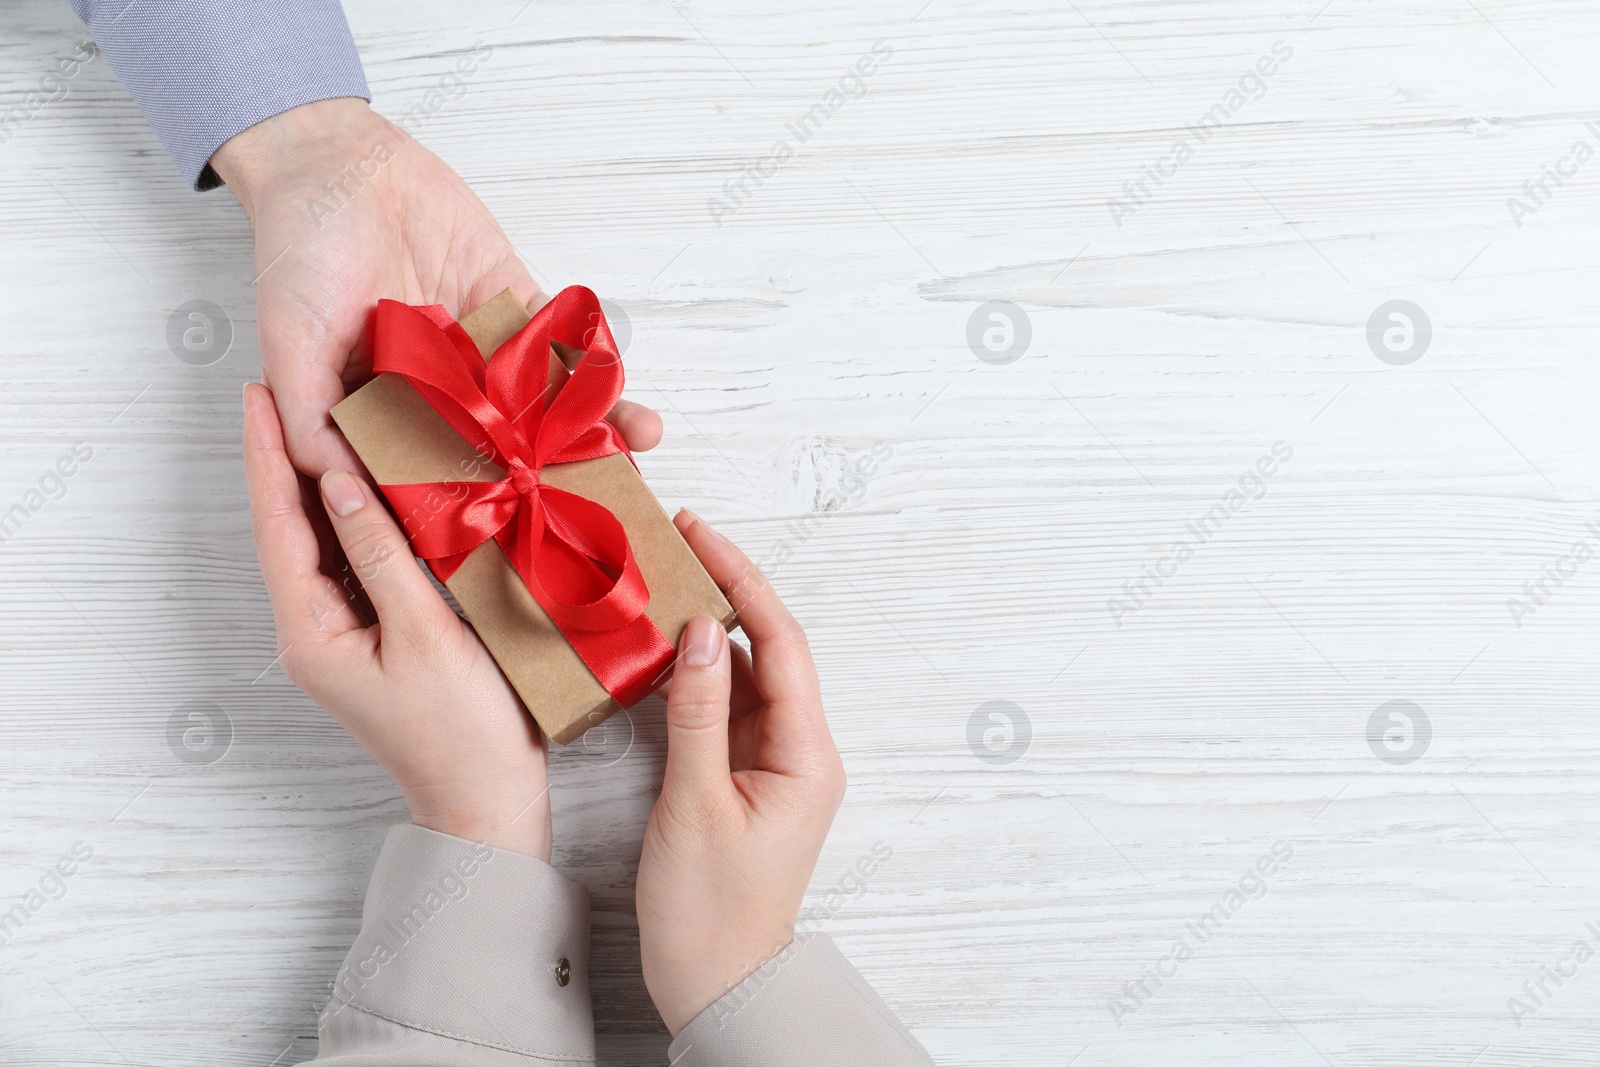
(524, 829)
(682, 993)
(254, 157)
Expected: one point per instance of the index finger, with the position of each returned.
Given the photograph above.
(302, 362)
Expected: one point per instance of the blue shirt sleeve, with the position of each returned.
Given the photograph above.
(203, 70)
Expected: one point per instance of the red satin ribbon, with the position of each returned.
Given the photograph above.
(571, 552)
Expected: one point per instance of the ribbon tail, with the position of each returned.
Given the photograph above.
(631, 661)
(630, 657)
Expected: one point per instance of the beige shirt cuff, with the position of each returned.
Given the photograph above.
(805, 1007)
(467, 955)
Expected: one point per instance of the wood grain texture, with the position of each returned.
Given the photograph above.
(828, 316)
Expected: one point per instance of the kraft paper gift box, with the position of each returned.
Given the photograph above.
(402, 440)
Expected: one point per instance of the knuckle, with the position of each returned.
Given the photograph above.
(790, 633)
(698, 710)
(427, 634)
(270, 516)
(370, 548)
(750, 585)
(698, 811)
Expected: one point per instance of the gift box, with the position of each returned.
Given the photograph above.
(526, 503)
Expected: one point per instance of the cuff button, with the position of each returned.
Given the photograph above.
(563, 971)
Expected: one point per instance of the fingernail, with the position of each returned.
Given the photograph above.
(702, 642)
(696, 520)
(706, 526)
(342, 493)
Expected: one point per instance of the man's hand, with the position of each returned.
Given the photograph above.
(348, 209)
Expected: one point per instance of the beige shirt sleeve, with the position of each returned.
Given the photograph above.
(805, 1007)
(470, 956)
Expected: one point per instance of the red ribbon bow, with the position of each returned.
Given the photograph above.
(571, 552)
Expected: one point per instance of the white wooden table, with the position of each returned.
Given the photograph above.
(1168, 748)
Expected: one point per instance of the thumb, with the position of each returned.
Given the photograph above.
(697, 711)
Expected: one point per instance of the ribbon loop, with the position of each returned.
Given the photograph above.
(571, 552)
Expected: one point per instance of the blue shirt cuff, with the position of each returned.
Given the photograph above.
(202, 72)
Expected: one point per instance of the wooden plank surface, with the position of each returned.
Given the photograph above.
(1168, 749)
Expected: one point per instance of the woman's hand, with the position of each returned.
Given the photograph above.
(418, 689)
(347, 209)
(752, 784)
